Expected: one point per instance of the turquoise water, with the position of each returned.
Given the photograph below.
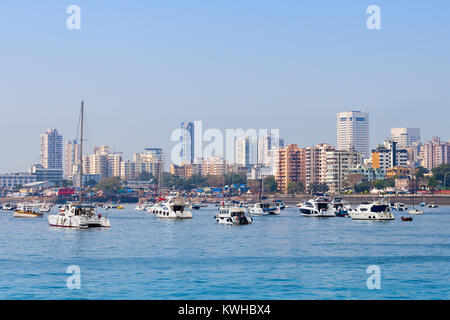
(278, 257)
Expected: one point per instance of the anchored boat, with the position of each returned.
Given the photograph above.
(77, 215)
(233, 216)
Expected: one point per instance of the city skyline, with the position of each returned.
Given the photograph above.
(230, 65)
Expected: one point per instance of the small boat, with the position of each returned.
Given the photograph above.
(119, 207)
(233, 216)
(415, 212)
(280, 204)
(399, 206)
(407, 218)
(26, 211)
(422, 204)
(319, 207)
(195, 206)
(339, 209)
(432, 205)
(45, 208)
(264, 208)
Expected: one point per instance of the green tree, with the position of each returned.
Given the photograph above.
(420, 171)
(363, 187)
(270, 184)
(110, 185)
(442, 174)
(379, 184)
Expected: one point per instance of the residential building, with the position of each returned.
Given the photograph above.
(316, 163)
(369, 172)
(291, 166)
(339, 165)
(51, 154)
(353, 132)
(388, 156)
(434, 153)
(71, 158)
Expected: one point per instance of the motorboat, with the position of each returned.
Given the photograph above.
(233, 216)
(8, 206)
(318, 207)
(432, 205)
(264, 208)
(377, 210)
(280, 204)
(415, 212)
(172, 208)
(77, 215)
(399, 206)
(26, 211)
(45, 207)
(143, 206)
(195, 206)
(407, 218)
(340, 210)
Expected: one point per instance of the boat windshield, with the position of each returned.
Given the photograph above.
(379, 208)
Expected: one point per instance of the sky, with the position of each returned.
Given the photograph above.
(143, 67)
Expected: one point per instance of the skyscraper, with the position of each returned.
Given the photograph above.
(242, 151)
(51, 154)
(71, 157)
(405, 137)
(187, 142)
(353, 131)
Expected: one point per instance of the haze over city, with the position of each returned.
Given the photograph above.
(145, 67)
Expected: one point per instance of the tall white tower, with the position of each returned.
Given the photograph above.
(353, 131)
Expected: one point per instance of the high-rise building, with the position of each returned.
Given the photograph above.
(405, 137)
(242, 151)
(353, 132)
(339, 164)
(316, 163)
(71, 158)
(187, 142)
(434, 153)
(51, 154)
(291, 166)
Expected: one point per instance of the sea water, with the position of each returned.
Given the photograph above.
(277, 257)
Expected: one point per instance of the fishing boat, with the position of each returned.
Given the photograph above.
(377, 210)
(319, 207)
(26, 211)
(233, 216)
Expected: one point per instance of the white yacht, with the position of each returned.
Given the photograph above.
(233, 216)
(319, 207)
(75, 215)
(377, 210)
(432, 205)
(264, 208)
(8, 207)
(143, 206)
(280, 204)
(171, 209)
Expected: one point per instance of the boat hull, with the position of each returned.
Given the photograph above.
(77, 222)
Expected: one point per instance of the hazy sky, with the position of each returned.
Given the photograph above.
(143, 67)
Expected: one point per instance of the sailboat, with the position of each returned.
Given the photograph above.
(414, 211)
(78, 215)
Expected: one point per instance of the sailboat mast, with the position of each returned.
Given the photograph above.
(81, 148)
